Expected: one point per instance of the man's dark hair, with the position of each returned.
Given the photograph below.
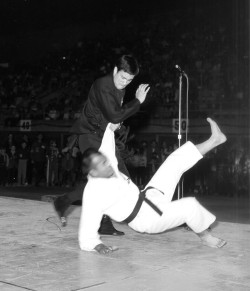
(128, 64)
(87, 159)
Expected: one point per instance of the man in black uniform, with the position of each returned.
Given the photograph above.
(104, 105)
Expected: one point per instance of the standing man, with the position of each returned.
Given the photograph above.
(104, 105)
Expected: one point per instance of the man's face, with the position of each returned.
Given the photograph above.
(100, 167)
(121, 79)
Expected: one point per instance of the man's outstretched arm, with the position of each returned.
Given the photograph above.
(90, 220)
(113, 111)
(91, 216)
(103, 249)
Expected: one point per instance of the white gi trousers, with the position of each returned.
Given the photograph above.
(185, 210)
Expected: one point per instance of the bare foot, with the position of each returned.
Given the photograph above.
(218, 137)
(212, 241)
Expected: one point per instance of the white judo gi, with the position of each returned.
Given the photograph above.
(117, 196)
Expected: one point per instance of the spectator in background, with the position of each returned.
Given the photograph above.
(38, 158)
(212, 173)
(142, 169)
(154, 157)
(164, 151)
(9, 143)
(12, 166)
(52, 164)
(67, 165)
(145, 149)
(135, 164)
(129, 161)
(13, 117)
(170, 149)
(77, 171)
(4, 163)
(25, 138)
(162, 155)
(245, 174)
(23, 157)
(35, 109)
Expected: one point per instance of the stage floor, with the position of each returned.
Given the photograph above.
(37, 254)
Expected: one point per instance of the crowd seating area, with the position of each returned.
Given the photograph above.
(40, 161)
(55, 86)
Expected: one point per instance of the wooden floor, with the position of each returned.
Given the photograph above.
(37, 254)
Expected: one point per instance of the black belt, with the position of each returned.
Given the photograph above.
(142, 197)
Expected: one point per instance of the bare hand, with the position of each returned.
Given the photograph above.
(141, 92)
(102, 249)
(64, 150)
(114, 127)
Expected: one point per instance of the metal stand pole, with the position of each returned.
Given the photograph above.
(179, 129)
(182, 73)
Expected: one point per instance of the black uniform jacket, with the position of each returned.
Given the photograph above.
(104, 105)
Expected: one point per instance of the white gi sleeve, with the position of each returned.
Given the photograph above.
(92, 210)
(90, 220)
(107, 147)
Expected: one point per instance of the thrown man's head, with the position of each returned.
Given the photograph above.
(96, 164)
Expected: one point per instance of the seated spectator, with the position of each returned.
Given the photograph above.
(53, 114)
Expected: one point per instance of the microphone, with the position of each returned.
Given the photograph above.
(180, 70)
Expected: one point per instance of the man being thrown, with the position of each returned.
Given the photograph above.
(110, 192)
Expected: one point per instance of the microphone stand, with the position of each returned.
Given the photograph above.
(181, 74)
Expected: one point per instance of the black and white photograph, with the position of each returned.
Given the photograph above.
(125, 145)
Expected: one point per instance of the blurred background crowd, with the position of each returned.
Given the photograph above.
(41, 162)
(55, 87)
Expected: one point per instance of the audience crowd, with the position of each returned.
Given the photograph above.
(37, 162)
(42, 162)
(54, 87)
(222, 172)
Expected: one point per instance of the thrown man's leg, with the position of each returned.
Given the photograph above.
(211, 241)
(198, 218)
(186, 210)
(217, 138)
